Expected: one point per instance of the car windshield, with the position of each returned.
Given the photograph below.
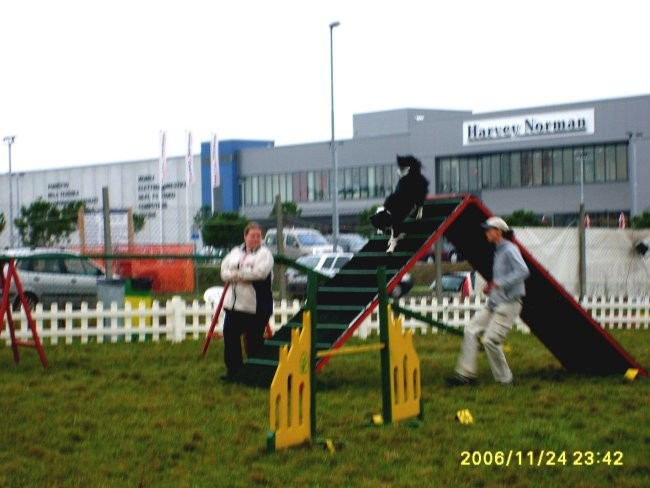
(452, 283)
(309, 261)
(311, 239)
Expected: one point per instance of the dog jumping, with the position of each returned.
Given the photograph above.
(407, 199)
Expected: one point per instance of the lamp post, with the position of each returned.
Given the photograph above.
(632, 137)
(335, 170)
(9, 140)
(582, 238)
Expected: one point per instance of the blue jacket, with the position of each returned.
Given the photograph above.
(508, 272)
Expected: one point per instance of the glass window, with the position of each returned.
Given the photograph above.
(495, 171)
(578, 164)
(621, 162)
(283, 188)
(547, 167)
(537, 168)
(388, 179)
(558, 170)
(589, 164)
(484, 164)
(505, 170)
(472, 164)
(372, 182)
(276, 187)
(455, 175)
(515, 169)
(268, 183)
(610, 162)
(567, 156)
(463, 183)
(599, 156)
(289, 188)
(444, 175)
(363, 183)
(355, 183)
(254, 190)
(347, 184)
(526, 168)
(311, 186)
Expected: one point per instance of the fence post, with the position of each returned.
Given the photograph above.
(178, 319)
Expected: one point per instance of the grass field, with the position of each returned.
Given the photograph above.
(155, 415)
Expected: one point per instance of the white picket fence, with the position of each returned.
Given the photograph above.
(177, 320)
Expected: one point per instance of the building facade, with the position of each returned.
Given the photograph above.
(541, 159)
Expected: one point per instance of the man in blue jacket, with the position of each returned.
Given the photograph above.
(491, 325)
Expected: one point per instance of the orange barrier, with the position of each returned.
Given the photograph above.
(168, 275)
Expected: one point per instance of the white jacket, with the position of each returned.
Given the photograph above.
(252, 292)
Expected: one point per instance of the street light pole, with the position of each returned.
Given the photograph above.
(9, 140)
(582, 238)
(334, 191)
(633, 137)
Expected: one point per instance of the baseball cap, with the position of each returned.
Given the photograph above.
(497, 223)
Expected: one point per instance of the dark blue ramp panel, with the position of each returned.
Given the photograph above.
(553, 315)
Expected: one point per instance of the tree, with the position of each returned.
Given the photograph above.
(524, 218)
(289, 209)
(138, 222)
(201, 217)
(47, 224)
(224, 230)
(365, 226)
(641, 221)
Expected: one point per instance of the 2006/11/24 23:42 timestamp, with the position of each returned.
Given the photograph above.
(541, 458)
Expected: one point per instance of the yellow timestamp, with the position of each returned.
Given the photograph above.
(541, 458)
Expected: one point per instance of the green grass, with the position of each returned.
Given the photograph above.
(155, 414)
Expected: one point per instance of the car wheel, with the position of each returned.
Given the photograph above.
(31, 302)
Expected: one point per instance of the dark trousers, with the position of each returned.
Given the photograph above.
(236, 324)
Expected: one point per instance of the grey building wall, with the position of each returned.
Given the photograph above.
(432, 134)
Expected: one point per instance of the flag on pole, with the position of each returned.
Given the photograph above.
(163, 157)
(621, 221)
(189, 161)
(214, 162)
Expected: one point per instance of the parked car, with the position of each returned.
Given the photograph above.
(349, 242)
(53, 276)
(298, 241)
(449, 253)
(329, 264)
(456, 284)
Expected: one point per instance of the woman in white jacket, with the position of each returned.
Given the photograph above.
(248, 302)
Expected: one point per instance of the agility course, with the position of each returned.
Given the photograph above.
(292, 401)
(579, 343)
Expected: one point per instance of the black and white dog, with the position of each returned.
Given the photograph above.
(406, 200)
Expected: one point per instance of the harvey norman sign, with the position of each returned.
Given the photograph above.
(521, 127)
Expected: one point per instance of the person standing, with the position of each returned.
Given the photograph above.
(491, 325)
(248, 303)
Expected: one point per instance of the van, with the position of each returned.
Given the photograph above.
(298, 241)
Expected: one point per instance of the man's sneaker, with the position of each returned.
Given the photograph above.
(459, 380)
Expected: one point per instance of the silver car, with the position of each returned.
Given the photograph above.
(52, 276)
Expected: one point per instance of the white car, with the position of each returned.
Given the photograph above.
(53, 276)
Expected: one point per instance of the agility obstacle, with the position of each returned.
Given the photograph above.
(8, 275)
(292, 395)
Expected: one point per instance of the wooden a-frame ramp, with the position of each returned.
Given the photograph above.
(344, 301)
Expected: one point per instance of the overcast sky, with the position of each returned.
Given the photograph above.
(88, 81)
